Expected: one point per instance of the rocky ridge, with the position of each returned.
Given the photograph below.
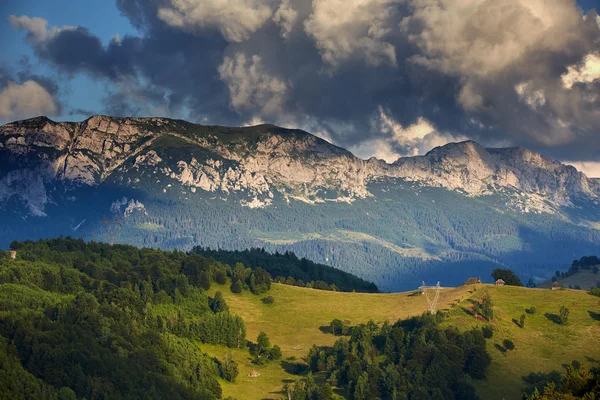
(260, 162)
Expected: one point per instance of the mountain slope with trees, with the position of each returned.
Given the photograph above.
(98, 321)
(460, 210)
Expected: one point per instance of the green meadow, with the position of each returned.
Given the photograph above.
(298, 319)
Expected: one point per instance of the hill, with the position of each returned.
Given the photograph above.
(460, 210)
(583, 279)
(582, 274)
(298, 316)
(79, 319)
(287, 265)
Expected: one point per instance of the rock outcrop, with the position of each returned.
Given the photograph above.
(259, 162)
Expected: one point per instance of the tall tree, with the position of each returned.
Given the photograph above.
(508, 276)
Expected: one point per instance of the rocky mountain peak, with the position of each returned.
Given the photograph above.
(258, 161)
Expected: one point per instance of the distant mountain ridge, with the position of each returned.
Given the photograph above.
(262, 159)
(174, 184)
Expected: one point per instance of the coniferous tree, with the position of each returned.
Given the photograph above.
(236, 286)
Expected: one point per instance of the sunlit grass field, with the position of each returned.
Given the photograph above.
(298, 317)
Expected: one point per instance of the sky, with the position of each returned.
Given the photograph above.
(383, 78)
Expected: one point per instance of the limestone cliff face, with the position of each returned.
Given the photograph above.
(259, 162)
(470, 167)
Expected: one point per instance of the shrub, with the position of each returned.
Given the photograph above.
(337, 327)
(488, 331)
(229, 368)
(508, 344)
(217, 304)
(522, 321)
(268, 300)
(530, 310)
(236, 286)
(563, 315)
(220, 277)
(595, 291)
(485, 308)
(275, 353)
(508, 276)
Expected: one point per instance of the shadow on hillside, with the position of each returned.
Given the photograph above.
(294, 368)
(326, 329)
(516, 323)
(469, 309)
(539, 380)
(553, 317)
(592, 360)
(500, 348)
(594, 315)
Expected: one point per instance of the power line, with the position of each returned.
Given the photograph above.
(431, 302)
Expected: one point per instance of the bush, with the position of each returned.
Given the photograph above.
(508, 344)
(221, 278)
(236, 286)
(530, 310)
(508, 276)
(337, 327)
(275, 353)
(485, 308)
(522, 321)
(268, 300)
(488, 331)
(563, 315)
(595, 291)
(217, 304)
(229, 368)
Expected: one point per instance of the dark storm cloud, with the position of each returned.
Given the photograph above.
(388, 77)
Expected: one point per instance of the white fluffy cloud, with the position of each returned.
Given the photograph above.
(586, 72)
(391, 140)
(482, 37)
(345, 29)
(235, 19)
(251, 86)
(36, 27)
(26, 100)
(530, 96)
(480, 40)
(590, 168)
(285, 17)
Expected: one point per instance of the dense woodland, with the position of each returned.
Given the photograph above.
(411, 359)
(80, 319)
(578, 382)
(589, 263)
(288, 265)
(457, 236)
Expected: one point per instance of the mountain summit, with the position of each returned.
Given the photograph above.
(173, 184)
(257, 162)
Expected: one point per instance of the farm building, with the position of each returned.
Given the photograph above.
(472, 281)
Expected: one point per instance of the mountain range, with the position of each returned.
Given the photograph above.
(458, 211)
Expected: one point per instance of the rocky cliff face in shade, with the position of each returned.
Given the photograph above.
(257, 163)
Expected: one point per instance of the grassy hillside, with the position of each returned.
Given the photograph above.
(297, 318)
(584, 278)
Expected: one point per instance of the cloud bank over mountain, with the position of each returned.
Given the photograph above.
(381, 77)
